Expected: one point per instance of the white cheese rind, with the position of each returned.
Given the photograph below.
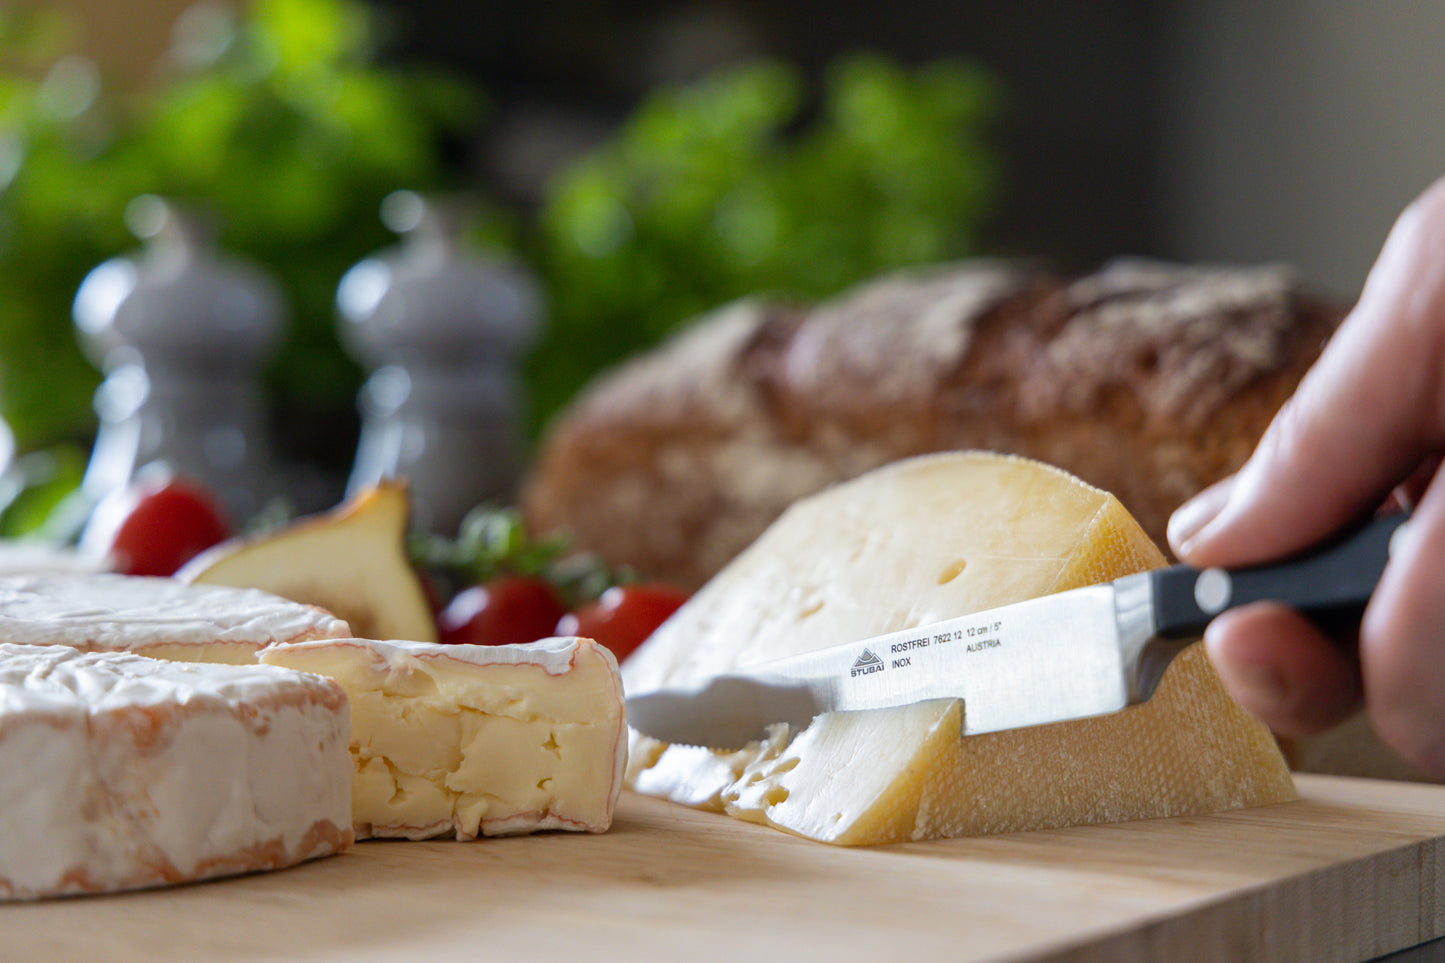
(470, 740)
(34, 557)
(124, 772)
(157, 617)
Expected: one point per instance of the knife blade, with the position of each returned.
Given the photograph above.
(1084, 652)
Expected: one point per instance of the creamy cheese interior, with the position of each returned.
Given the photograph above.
(476, 740)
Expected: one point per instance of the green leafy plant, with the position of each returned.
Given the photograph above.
(492, 542)
(283, 128)
(749, 183)
(279, 126)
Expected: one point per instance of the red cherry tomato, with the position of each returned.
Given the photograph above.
(505, 610)
(623, 616)
(155, 525)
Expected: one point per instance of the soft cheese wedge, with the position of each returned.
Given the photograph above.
(910, 543)
(473, 740)
(123, 772)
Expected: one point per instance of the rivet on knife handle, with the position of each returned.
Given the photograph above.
(1334, 580)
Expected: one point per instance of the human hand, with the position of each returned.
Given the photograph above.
(1366, 425)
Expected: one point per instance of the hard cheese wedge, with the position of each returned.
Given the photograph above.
(474, 740)
(914, 542)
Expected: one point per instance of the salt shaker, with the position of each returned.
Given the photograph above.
(180, 332)
(442, 329)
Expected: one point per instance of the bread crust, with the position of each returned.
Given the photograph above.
(1146, 379)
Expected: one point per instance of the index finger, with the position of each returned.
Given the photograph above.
(1369, 411)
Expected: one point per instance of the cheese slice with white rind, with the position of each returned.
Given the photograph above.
(153, 616)
(914, 542)
(476, 740)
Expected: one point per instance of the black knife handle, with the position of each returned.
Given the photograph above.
(1329, 582)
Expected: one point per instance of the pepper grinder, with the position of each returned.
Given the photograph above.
(180, 332)
(442, 329)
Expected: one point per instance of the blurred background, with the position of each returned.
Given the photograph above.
(636, 163)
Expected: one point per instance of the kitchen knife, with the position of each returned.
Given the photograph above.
(1084, 652)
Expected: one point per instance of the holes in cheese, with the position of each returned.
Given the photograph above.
(868, 555)
(952, 571)
(473, 740)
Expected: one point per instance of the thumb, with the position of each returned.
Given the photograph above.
(1370, 410)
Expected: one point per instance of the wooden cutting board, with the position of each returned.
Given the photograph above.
(1354, 869)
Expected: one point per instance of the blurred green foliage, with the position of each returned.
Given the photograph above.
(750, 183)
(283, 128)
(278, 126)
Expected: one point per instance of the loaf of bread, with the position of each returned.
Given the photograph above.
(1147, 380)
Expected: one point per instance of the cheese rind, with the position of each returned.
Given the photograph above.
(351, 560)
(471, 740)
(125, 772)
(19, 556)
(915, 542)
(156, 617)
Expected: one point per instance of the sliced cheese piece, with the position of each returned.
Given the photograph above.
(914, 542)
(474, 740)
(123, 772)
(352, 560)
(156, 617)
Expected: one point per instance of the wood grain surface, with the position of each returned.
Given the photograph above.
(1351, 871)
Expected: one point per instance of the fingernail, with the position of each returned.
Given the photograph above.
(1194, 516)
